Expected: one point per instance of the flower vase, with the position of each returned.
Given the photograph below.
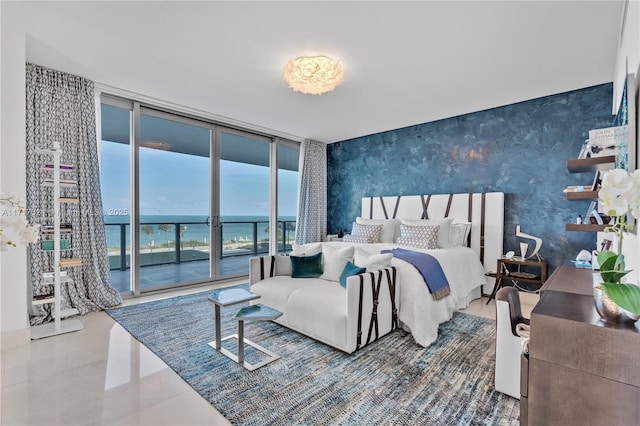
(608, 310)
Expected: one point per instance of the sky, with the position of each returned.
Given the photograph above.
(178, 184)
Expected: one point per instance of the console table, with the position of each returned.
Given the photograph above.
(580, 370)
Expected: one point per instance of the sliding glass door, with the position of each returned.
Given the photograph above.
(174, 193)
(187, 201)
(244, 199)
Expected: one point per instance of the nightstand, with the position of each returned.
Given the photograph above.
(510, 269)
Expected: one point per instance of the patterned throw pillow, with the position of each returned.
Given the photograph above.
(425, 237)
(363, 234)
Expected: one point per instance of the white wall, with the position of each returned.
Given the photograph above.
(13, 264)
(628, 58)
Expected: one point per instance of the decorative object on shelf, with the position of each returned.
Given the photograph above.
(536, 249)
(14, 228)
(313, 75)
(599, 218)
(583, 259)
(584, 151)
(617, 302)
(523, 250)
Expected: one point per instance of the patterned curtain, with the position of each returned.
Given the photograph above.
(60, 107)
(312, 193)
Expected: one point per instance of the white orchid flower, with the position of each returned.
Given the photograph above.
(613, 203)
(618, 179)
(13, 225)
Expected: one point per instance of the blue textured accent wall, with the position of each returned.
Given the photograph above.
(519, 149)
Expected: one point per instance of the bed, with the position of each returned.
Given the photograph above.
(464, 266)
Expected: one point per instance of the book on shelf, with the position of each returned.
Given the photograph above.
(48, 234)
(605, 141)
(51, 228)
(43, 296)
(63, 182)
(608, 133)
(64, 167)
(71, 262)
(69, 200)
(49, 274)
(48, 245)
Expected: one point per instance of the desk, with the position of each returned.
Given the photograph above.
(580, 370)
(510, 269)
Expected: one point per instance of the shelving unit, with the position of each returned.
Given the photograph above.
(595, 164)
(587, 165)
(582, 195)
(58, 326)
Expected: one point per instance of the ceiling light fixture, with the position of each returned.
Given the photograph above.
(313, 75)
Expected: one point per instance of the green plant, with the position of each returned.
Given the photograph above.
(620, 193)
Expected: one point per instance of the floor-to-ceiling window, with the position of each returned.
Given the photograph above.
(174, 188)
(288, 159)
(198, 194)
(115, 183)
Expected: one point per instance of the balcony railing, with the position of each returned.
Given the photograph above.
(188, 241)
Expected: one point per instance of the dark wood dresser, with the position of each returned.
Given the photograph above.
(580, 370)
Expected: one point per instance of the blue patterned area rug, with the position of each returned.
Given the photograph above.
(392, 381)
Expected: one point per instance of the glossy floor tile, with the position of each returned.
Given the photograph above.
(100, 375)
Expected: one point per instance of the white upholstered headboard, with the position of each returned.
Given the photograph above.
(485, 211)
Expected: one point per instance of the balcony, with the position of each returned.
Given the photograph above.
(182, 252)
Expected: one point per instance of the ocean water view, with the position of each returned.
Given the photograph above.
(195, 231)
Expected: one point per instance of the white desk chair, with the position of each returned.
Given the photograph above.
(509, 341)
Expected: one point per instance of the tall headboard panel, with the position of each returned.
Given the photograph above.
(485, 211)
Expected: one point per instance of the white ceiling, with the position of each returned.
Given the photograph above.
(404, 62)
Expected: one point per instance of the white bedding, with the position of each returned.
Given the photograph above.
(417, 310)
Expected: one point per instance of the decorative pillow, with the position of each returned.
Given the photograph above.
(349, 270)
(306, 249)
(390, 231)
(443, 233)
(372, 262)
(419, 236)
(459, 233)
(306, 266)
(333, 261)
(364, 233)
(355, 239)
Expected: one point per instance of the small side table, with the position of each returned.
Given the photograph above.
(257, 312)
(509, 269)
(227, 297)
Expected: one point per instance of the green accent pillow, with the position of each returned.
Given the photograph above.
(306, 266)
(349, 270)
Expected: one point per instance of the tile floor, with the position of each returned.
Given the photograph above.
(102, 376)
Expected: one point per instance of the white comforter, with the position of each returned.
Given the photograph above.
(417, 310)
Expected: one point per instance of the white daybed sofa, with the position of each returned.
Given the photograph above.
(345, 318)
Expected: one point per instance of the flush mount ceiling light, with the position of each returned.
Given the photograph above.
(313, 75)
